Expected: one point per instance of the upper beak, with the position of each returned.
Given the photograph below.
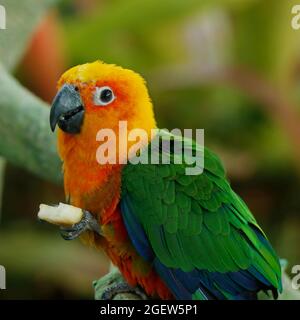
(67, 110)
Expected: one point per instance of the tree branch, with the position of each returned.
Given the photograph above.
(112, 279)
(26, 139)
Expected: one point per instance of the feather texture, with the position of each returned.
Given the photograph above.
(200, 236)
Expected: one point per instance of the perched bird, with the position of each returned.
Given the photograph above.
(173, 235)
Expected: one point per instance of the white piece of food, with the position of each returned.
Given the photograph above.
(62, 215)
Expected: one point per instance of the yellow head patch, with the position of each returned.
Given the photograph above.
(91, 72)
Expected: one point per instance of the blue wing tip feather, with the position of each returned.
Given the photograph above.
(204, 285)
(199, 284)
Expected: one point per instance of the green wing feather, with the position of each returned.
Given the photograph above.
(205, 224)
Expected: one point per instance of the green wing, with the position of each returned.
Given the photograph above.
(196, 226)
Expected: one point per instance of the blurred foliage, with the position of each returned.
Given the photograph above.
(228, 66)
(265, 30)
(137, 34)
(24, 245)
(22, 17)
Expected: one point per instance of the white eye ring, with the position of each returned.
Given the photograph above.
(103, 96)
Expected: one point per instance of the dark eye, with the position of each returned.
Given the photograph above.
(103, 96)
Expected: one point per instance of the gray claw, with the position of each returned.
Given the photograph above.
(70, 235)
(119, 288)
(88, 222)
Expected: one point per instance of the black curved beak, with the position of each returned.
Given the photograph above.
(67, 110)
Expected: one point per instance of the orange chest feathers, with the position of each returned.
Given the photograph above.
(97, 189)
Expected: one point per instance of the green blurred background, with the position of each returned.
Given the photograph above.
(231, 67)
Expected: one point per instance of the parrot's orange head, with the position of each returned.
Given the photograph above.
(96, 96)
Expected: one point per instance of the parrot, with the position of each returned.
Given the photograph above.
(171, 235)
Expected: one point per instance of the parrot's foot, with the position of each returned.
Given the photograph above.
(88, 222)
(120, 288)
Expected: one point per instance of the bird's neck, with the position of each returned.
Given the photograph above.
(88, 183)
